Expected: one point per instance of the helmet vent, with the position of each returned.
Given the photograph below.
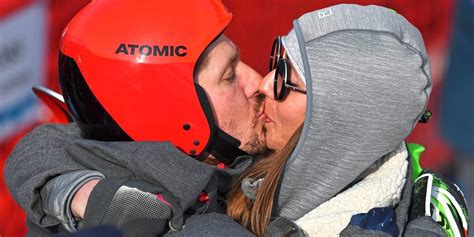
(186, 126)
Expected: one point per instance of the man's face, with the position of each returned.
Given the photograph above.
(232, 88)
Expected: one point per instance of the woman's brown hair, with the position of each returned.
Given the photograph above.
(255, 214)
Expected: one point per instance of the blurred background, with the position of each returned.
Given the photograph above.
(29, 37)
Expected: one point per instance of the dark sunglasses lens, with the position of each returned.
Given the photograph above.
(280, 73)
(273, 55)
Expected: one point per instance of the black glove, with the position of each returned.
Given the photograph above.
(283, 227)
(137, 207)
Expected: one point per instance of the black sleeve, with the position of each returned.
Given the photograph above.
(211, 224)
(424, 226)
(154, 162)
(283, 227)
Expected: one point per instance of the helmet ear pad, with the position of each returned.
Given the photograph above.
(94, 121)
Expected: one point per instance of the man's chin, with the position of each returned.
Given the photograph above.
(255, 146)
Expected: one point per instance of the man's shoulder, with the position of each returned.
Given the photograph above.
(52, 132)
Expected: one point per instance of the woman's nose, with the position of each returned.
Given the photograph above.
(266, 85)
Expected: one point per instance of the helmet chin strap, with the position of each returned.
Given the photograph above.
(225, 147)
(221, 145)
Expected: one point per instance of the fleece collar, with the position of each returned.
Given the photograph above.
(383, 188)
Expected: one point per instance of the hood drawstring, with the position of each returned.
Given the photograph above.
(250, 187)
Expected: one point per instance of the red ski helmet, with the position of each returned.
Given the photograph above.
(126, 71)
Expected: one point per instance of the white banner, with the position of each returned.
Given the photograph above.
(22, 64)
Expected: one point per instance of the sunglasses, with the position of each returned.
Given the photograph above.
(282, 69)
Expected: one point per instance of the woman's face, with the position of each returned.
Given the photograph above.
(283, 117)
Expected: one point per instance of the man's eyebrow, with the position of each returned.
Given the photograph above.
(232, 61)
(236, 56)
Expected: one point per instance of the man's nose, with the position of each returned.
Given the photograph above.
(266, 85)
(249, 79)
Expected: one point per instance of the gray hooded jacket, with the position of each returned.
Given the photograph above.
(368, 81)
(50, 151)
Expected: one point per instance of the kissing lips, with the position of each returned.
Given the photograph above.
(267, 118)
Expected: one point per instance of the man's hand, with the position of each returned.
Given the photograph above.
(79, 201)
(138, 208)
